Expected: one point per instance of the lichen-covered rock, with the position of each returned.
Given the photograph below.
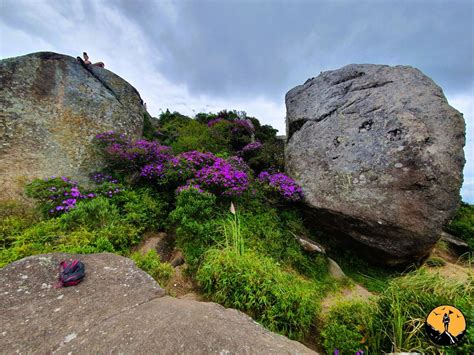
(118, 309)
(379, 154)
(52, 107)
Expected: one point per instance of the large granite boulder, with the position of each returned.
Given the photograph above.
(118, 309)
(52, 107)
(379, 154)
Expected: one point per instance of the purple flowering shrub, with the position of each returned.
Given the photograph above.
(281, 184)
(58, 195)
(238, 132)
(158, 167)
(222, 178)
(124, 154)
(188, 187)
(252, 147)
(110, 137)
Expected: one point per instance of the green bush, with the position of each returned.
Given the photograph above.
(197, 136)
(14, 219)
(404, 305)
(271, 232)
(395, 323)
(256, 285)
(169, 125)
(198, 222)
(149, 126)
(93, 214)
(94, 225)
(462, 225)
(143, 208)
(347, 327)
(151, 264)
(271, 157)
(48, 192)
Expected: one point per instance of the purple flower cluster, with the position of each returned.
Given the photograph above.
(252, 146)
(238, 125)
(246, 125)
(189, 186)
(139, 152)
(153, 171)
(110, 137)
(194, 169)
(282, 184)
(222, 178)
(64, 194)
(197, 159)
(100, 178)
(238, 163)
(214, 121)
(124, 153)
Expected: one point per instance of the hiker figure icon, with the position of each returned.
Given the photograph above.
(446, 320)
(445, 325)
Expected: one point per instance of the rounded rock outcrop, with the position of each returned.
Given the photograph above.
(118, 309)
(52, 107)
(379, 153)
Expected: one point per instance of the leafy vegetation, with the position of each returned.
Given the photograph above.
(394, 320)
(150, 262)
(216, 183)
(462, 225)
(255, 284)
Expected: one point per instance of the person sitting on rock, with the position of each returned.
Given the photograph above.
(86, 61)
(86, 58)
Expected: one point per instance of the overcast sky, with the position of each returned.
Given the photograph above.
(195, 56)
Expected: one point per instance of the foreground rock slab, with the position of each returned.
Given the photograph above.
(118, 309)
(52, 107)
(379, 154)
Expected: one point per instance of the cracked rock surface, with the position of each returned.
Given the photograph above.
(379, 154)
(117, 309)
(52, 107)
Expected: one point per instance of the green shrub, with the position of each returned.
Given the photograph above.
(198, 223)
(169, 124)
(197, 136)
(404, 305)
(149, 126)
(270, 232)
(94, 214)
(256, 285)
(49, 193)
(14, 219)
(395, 323)
(271, 157)
(143, 208)
(462, 225)
(94, 225)
(151, 264)
(347, 327)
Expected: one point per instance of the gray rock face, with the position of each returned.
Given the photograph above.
(52, 107)
(379, 153)
(117, 309)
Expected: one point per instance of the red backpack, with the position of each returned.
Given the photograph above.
(70, 273)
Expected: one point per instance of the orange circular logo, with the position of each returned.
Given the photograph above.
(445, 325)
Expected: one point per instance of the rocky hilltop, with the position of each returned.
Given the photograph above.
(379, 154)
(118, 308)
(52, 107)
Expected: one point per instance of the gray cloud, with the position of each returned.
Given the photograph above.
(245, 48)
